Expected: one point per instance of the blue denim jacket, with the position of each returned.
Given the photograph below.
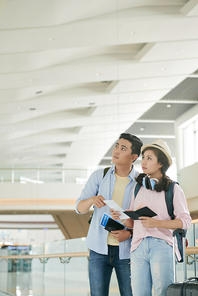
(97, 235)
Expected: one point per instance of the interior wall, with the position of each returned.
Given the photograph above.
(187, 178)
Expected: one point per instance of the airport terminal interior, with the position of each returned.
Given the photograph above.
(74, 75)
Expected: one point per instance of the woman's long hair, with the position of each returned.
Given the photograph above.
(161, 158)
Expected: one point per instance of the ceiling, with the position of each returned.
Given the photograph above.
(75, 74)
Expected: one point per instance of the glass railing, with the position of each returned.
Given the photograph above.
(45, 175)
(64, 275)
(56, 174)
(45, 276)
(61, 268)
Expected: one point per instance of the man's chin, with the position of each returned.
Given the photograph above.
(115, 161)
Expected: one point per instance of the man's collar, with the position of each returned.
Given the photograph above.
(113, 169)
(132, 175)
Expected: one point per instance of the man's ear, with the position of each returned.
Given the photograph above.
(134, 157)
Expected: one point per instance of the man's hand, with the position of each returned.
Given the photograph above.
(98, 201)
(121, 235)
(149, 222)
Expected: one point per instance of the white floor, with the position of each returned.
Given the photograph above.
(28, 284)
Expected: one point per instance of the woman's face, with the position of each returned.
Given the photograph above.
(150, 164)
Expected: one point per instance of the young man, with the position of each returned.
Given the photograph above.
(110, 250)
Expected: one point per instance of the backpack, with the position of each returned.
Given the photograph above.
(169, 203)
(104, 173)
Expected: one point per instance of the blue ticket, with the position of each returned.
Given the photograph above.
(104, 220)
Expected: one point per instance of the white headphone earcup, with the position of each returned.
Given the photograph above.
(152, 184)
(148, 183)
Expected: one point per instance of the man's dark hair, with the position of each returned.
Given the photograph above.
(136, 143)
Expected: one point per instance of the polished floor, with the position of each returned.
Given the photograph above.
(5, 294)
(53, 282)
(38, 284)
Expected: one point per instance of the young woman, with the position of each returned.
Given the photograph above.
(152, 251)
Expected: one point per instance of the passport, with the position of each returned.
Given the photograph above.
(145, 211)
(109, 224)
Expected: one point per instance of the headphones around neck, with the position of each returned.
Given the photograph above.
(149, 183)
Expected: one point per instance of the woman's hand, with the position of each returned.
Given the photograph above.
(115, 214)
(149, 222)
(167, 224)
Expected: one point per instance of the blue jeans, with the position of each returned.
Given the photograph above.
(100, 270)
(152, 264)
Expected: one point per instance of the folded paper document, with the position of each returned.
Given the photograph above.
(145, 211)
(113, 205)
(109, 224)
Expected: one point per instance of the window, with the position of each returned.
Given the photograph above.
(196, 141)
(190, 136)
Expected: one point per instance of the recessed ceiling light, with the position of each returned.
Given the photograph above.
(142, 128)
(183, 50)
(132, 33)
(97, 74)
(30, 80)
(51, 39)
(168, 105)
(145, 84)
(76, 103)
(162, 69)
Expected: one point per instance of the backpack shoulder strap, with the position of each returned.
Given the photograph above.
(169, 199)
(105, 171)
(137, 188)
